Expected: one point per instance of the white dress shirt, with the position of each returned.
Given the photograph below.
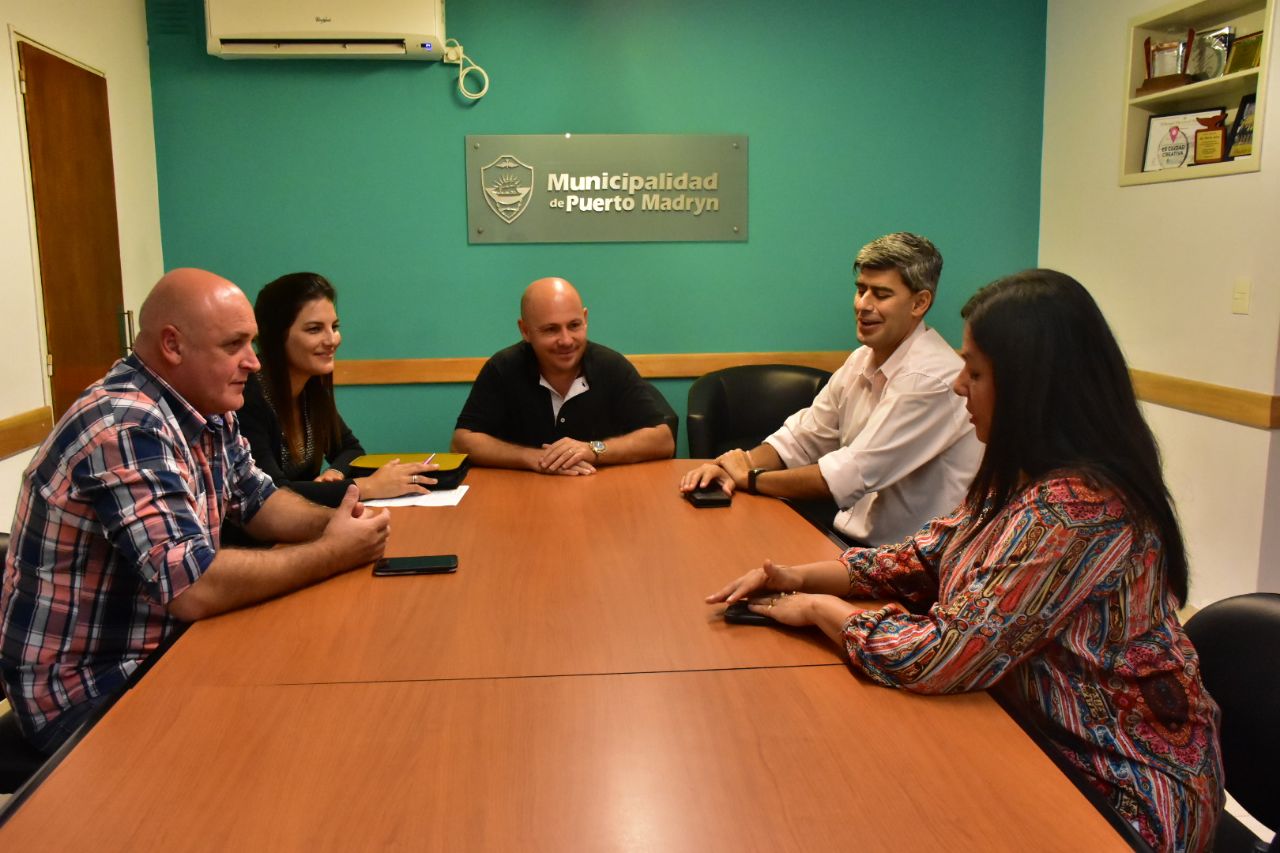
(579, 386)
(894, 442)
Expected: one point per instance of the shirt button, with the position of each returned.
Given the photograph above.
(562, 420)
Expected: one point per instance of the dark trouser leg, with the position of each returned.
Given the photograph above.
(52, 736)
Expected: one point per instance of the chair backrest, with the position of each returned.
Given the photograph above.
(1238, 640)
(741, 406)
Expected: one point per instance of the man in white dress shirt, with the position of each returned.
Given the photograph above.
(887, 439)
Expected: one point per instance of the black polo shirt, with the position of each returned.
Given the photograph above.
(508, 403)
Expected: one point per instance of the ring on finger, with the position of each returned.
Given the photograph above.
(414, 479)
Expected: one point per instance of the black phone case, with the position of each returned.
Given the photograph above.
(382, 570)
(708, 498)
(738, 614)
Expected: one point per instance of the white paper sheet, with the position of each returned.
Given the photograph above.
(446, 497)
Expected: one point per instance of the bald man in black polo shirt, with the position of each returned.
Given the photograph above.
(557, 403)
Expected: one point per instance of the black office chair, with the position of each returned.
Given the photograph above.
(1237, 639)
(741, 406)
(19, 760)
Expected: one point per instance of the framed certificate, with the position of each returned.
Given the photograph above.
(1246, 52)
(1171, 139)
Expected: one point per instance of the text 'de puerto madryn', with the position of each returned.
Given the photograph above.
(593, 188)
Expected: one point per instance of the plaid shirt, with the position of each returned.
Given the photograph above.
(120, 511)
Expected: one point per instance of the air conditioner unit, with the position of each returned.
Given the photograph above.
(325, 29)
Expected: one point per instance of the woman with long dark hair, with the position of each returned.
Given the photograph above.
(1056, 583)
(289, 414)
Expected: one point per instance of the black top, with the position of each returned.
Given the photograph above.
(507, 402)
(259, 424)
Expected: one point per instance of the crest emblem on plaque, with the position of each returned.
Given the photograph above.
(507, 184)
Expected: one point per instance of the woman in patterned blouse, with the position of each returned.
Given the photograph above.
(1056, 583)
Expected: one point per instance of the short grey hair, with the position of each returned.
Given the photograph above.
(913, 257)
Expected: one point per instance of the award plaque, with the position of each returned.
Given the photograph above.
(1166, 64)
(1171, 139)
(1211, 140)
(1166, 58)
(1209, 53)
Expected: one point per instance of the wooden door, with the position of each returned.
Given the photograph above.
(73, 188)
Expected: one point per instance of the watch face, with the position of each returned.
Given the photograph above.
(597, 447)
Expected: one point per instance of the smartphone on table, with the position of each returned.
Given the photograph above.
(710, 496)
(432, 564)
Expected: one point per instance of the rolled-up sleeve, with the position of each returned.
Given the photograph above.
(811, 433)
(914, 422)
(141, 495)
(250, 485)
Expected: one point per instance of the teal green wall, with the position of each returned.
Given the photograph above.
(864, 117)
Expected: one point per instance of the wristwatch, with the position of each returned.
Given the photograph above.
(598, 448)
(752, 475)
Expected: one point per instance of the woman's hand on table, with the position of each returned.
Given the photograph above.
(397, 478)
(798, 609)
(768, 578)
(789, 608)
(795, 595)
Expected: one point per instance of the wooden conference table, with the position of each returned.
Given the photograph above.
(565, 690)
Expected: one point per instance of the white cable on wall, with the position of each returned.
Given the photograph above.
(454, 55)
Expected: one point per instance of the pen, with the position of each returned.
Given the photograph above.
(429, 458)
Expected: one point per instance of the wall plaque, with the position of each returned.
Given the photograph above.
(598, 188)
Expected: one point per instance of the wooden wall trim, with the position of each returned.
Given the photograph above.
(23, 431)
(1250, 408)
(418, 371)
(406, 371)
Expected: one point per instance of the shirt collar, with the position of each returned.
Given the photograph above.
(893, 363)
(579, 386)
(189, 422)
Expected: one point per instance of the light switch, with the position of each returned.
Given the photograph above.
(1240, 294)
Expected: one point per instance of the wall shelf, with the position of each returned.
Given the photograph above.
(1170, 23)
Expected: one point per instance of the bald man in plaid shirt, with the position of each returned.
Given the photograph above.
(116, 539)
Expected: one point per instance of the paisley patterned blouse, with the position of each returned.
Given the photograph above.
(1062, 601)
